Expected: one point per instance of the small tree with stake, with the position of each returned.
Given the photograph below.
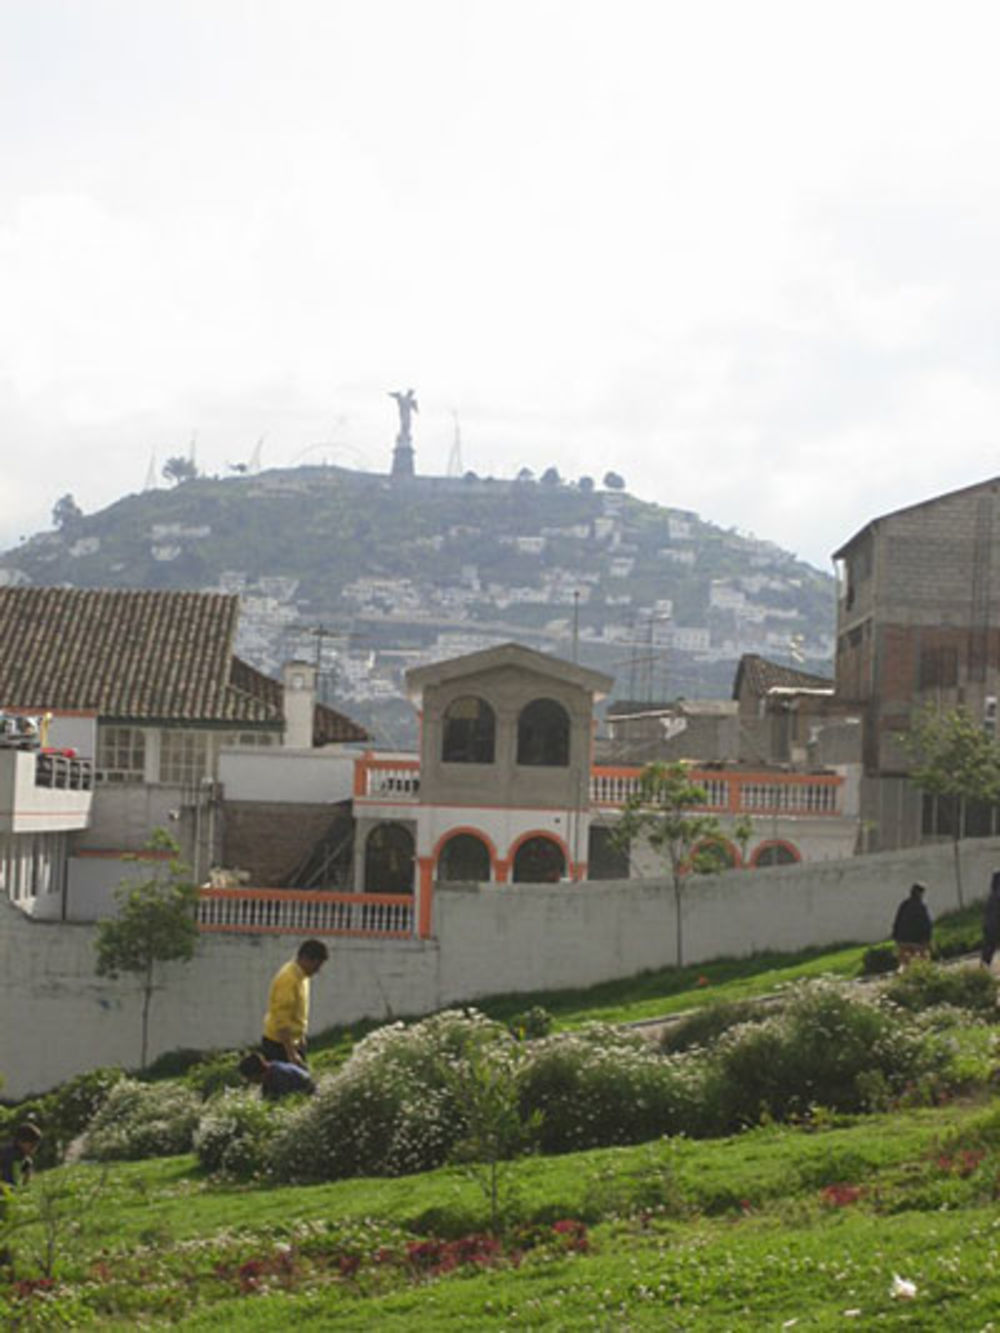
(156, 923)
(954, 758)
(663, 810)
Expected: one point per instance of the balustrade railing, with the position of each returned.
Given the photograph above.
(64, 773)
(298, 912)
(398, 779)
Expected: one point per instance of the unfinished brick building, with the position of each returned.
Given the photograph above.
(918, 622)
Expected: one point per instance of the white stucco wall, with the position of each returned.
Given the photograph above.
(304, 776)
(59, 1019)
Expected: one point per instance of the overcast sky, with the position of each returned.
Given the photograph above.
(744, 254)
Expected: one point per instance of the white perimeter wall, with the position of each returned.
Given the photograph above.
(60, 1019)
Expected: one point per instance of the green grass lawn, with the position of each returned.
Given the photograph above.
(887, 1220)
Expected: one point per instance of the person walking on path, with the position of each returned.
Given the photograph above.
(287, 1019)
(912, 927)
(991, 922)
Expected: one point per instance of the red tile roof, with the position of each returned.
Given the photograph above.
(138, 656)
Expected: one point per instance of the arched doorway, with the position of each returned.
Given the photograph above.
(775, 854)
(389, 859)
(538, 861)
(464, 859)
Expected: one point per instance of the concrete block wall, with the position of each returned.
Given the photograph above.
(59, 1019)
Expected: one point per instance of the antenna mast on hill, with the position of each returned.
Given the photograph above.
(254, 464)
(151, 473)
(455, 468)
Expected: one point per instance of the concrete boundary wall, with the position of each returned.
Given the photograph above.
(60, 1019)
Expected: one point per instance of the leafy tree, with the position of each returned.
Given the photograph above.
(663, 810)
(614, 482)
(179, 468)
(586, 485)
(66, 513)
(156, 923)
(483, 1081)
(550, 477)
(954, 757)
(525, 474)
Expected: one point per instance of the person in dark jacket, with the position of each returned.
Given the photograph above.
(912, 927)
(991, 921)
(15, 1156)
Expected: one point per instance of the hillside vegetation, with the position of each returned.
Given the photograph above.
(861, 1184)
(438, 563)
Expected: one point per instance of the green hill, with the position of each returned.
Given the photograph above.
(373, 573)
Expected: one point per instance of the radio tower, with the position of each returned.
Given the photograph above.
(151, 473)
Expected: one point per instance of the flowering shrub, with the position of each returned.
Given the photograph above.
(143, 1120)
(702, 1026)
(601, 1086)
(389, 1110)
(830, 1046)
(922, 985)
(234, 1131)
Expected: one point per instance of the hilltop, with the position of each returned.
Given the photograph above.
(372, 574)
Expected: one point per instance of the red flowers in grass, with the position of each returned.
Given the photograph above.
(442, 1256)
(32, 1286)
(963, 1163)
(573, 1234)
(839, 1196)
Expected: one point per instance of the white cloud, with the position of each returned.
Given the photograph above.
(744, 254)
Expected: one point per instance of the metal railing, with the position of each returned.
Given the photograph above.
(62, 773)
(297, 912)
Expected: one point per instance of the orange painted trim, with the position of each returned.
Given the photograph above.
(549, 837)
(116, 854)
(502, 870)
(426, 903)
(306, 896)
(299, 930)
(776, 842)
(473, 832)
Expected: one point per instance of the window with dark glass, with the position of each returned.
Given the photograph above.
(543, 734)
(539, 861)
(389, 860)
(775, 854)
(464, 859)
(469, 731)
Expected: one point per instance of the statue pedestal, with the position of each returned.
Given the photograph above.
(402, 458)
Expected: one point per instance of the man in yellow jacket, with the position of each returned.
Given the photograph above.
(287, 1019)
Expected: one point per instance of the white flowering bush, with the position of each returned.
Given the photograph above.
(830, 1046)
(600, 1086)
(390, 1109)
(234, 1131)
(143, 1120)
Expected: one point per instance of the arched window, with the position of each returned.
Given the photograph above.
(389, 859)
(714, 854)
(464, 859)
(776, 854)
(539, 861)
(543, 734)
(469, 731)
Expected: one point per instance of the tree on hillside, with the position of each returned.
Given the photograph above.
(66, 513)
(954, 759)
(155, 923)
(664, 811)
(550, 477)
(178, 469)
(525, 474)
(614, 482)
(586, 484)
